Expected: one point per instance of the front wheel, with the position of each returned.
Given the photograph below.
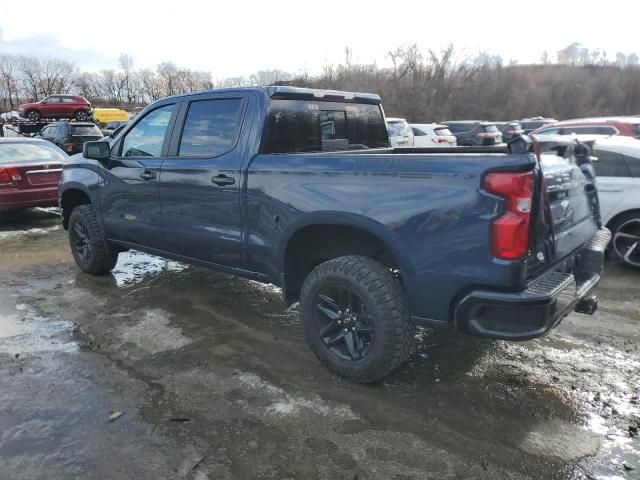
(625, 240)
(355, 317)
(89, 247)
(82, 116)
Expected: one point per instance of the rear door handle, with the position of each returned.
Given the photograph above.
(147, 175)
(222, 180)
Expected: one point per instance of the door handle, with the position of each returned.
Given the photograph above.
(147, 175)
(222, 180)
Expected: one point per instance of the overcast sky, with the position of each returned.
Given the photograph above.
(232, 38)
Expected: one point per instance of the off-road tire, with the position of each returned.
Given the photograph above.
(102, 257)
(381, 291)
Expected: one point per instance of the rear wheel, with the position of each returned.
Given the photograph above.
(81, 116)
(625, 241)
(33, 115)
(355, 317)
(90, 249)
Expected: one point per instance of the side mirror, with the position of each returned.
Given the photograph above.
(96, 151)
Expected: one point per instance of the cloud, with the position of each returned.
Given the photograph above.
(48, 46)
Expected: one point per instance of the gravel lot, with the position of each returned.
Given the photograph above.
(162, 370)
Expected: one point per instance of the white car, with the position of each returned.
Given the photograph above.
(617, 165)
(616, 161)
(400, 133)
(432, 135)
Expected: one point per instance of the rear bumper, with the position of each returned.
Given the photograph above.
(37, 197)
(542, 305)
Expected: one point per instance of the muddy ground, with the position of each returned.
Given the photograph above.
(167, 371)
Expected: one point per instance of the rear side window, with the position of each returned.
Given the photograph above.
(145, 139)
(307, 126)
(610, 164)
(211, 128)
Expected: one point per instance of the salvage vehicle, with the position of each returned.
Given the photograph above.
(616, 161)
(474, 133)
(30, 170)
(57, 106)
(432, 135)
(104, 116)
(400, 133)
(606, 126)
(299, 188)
(70, 136)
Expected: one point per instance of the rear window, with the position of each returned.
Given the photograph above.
(308, 126)
(460, 127)
(443, 132)
(490, 128)
(85, 130)
(28, 152)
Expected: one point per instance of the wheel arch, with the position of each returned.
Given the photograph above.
(623, 213)
(304, 245)
(70, 197)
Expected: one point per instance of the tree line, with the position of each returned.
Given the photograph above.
(419, 85)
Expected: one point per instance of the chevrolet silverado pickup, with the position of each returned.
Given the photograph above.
(300, 188)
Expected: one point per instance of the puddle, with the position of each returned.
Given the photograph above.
(26, 332)
(133, 267)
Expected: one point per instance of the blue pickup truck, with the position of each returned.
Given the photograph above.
(300, 188)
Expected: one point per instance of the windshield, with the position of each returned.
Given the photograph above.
(85, 130)
(310, 126)
(443, 132)
(29, 152)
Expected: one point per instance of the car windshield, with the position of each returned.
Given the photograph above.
(443, 132)
(85, 130)
(16, 152)
(397, 128)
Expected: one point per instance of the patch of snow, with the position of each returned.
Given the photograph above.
(31, 231)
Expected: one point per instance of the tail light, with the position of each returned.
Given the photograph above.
(8, 176)
(487, 134)
(510, 235)
(439, 140)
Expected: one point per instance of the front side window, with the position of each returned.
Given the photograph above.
(610, 164)
(308, 126)
(145, 139)
(211, 127)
